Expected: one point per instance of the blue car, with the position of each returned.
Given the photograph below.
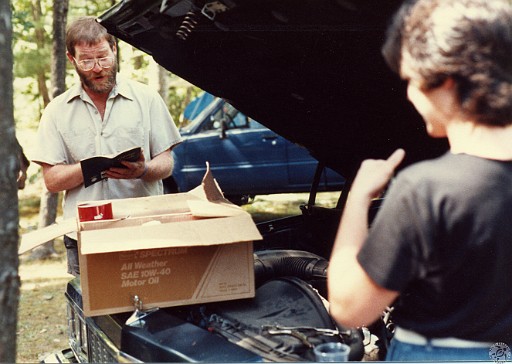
(246, 158)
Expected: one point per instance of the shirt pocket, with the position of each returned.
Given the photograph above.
(126, 138)
(79, 143)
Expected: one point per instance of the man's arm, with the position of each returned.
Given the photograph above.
(160, 166)
(62, 177)
(355, 299)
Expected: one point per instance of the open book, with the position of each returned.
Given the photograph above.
(93, 168)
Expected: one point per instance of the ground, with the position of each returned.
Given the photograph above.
(42, 323)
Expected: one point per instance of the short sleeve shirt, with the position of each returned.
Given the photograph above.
(443, 239)
(71, 129)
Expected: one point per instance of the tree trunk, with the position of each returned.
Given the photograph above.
(47, 216)
(158, 78)
(39, 33)
(9, 217)
(59, 59)
(163, 83)
(49, 201)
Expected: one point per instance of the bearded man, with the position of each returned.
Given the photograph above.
(102, 114)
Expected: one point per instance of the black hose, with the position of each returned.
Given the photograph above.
(269, 264)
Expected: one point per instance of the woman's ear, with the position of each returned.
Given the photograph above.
(448, 99)
(448, 84)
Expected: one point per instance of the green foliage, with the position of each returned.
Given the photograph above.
(28, 62)
(178, 99)
(29, 59)
(88, 7)
(21, 23)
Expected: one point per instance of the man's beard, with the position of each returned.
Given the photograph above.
(105, 86)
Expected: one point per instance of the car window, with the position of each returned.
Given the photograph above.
(253, 124)
(214, 122)
(232, 118)
(240, 120)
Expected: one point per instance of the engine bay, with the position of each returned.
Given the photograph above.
(286, 319)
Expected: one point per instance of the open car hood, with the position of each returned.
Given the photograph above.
(311, 70)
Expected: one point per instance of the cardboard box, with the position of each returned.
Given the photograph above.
(168, 250)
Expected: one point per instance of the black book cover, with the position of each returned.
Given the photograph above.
(93, 169)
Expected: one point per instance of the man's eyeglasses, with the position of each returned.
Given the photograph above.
(88, 64)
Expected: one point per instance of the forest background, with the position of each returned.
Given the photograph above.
(35, 81)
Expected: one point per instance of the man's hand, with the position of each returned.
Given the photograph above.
(22, 177)
(133, 170)
(158, 168)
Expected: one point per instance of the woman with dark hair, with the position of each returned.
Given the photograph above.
(439, 249)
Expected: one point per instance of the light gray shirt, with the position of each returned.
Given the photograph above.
(71, 129)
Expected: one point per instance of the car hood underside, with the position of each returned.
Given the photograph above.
(311, 70)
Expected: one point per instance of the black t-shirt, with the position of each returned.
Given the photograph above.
(443, 238)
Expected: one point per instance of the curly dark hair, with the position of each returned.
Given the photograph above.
(469, 41)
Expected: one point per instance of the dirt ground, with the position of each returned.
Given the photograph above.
(42, 323)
